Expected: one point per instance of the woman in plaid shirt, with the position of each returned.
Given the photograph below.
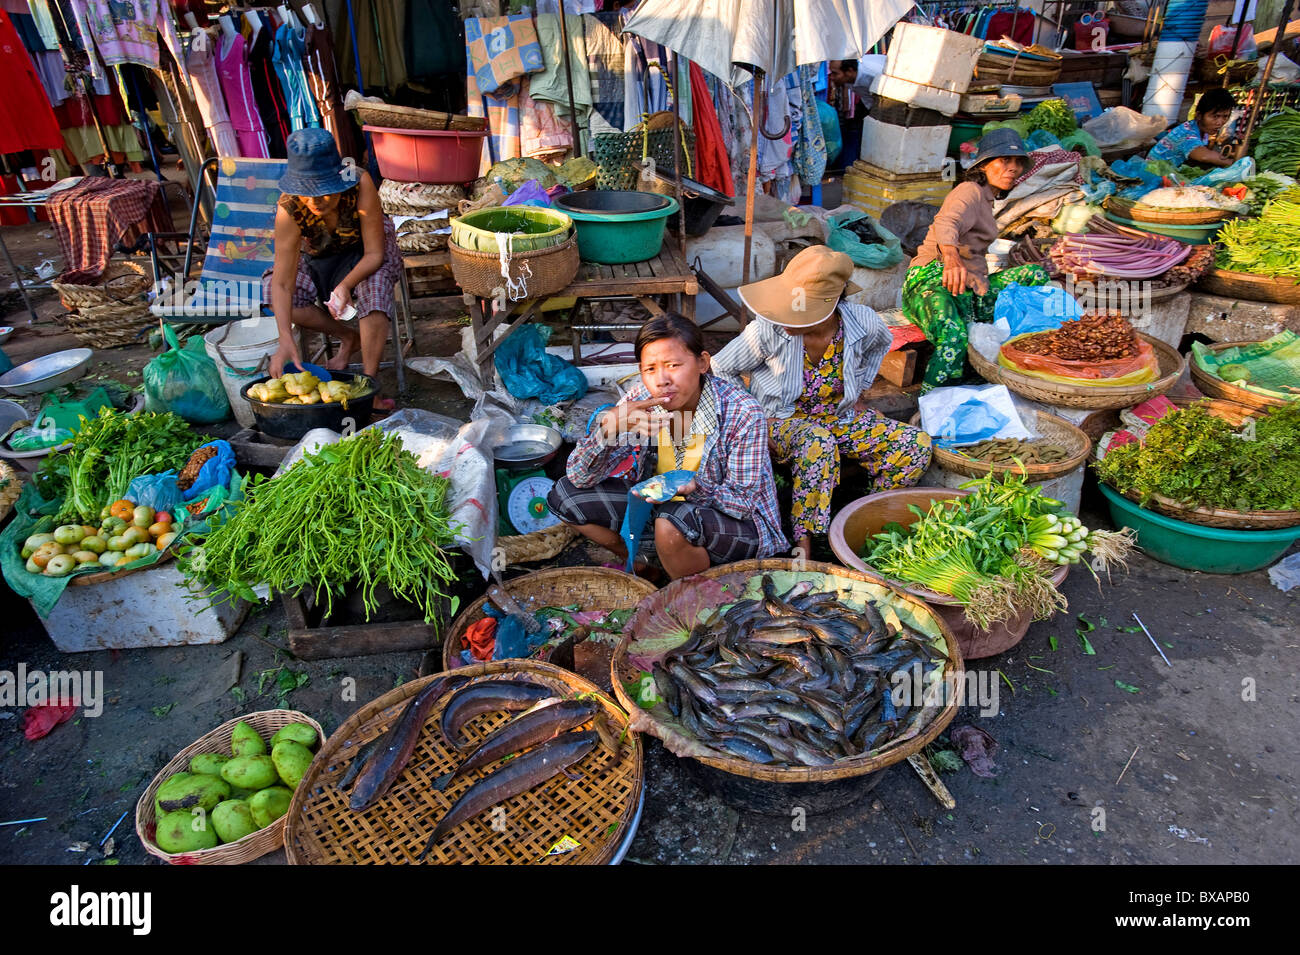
(679, 418)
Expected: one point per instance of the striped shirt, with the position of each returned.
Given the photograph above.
(774, 360)
(735, 474)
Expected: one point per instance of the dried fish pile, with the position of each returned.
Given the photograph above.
(799, 679)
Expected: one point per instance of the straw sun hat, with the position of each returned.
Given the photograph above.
(807, 291)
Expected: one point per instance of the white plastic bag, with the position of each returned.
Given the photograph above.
(966, 414)
(1120, 127)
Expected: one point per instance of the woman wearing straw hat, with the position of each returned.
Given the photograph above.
(811, 357)
(948, 284)
(332, 243)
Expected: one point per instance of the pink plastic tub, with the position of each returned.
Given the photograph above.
(425, 155)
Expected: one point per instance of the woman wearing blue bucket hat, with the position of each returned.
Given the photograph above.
(333, 243)
(948, 284)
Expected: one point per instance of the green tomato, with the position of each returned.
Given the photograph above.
(60, 565)
(118, 543)
(68, 534)
(110, 558)
(96, 544)
(33, 567)
(37, 541)
(105, 512)
(113, 525)
(140, 550)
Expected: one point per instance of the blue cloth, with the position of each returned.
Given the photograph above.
(215, 472)
(299, 103)
(1174, 145)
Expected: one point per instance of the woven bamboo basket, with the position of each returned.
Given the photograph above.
(1254, 288)
(531, 229)
(1050, 428)
(625, 673)
(538, 545)
(469, 124)
(109, 326)
(418, 242)
(1084, 396)
(592, 588)
(122, 281)
(1015, 71)
(542, 273)
(11, 485)
(400, 117)
(1216, 387)
(252, 846)
(418, 198)
(597, 810)
(1129, 209)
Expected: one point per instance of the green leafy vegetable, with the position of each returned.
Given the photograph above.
(1265, 245)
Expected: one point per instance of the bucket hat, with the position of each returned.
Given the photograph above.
(315, 167)
(807, 291)
(999, 142)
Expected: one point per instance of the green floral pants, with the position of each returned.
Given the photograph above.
(943, 316)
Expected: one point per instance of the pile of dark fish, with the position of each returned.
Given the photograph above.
(799, 679)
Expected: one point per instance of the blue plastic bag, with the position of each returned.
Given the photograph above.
(1038, 308)
(158, 491)
(216, 470)
(529, 372)
(971, 421)
(1242, 169)
(530, 193)
(830, 121)
(1135, 167)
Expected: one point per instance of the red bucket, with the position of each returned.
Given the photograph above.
(427, 155)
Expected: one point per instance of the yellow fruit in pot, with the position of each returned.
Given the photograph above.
(184, 831)
(269, 805)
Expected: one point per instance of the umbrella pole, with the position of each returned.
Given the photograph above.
(751, 177)
(1263, 78)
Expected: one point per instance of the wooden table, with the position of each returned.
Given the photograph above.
(665, 274)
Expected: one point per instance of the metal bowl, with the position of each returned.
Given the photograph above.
(527, 446)
(5, 332)
(47, 373)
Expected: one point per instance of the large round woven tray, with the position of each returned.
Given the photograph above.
(1084, 396)
(737, 576)
(1216, 387)
(1050, 428)
(1235, 414)
(253, 845)
(541, 273)
(592, 588)
(418, 198)
(11, 485)
(1255, 288)
(538, 545)
(1130, 209)
(120, 282)
(109, 326)
(596, 809)
(400, 117)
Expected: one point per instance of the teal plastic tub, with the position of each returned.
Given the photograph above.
(1191, 234)
(1213, 550)
(617, 226)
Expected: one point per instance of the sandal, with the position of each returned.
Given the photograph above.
(383, 405)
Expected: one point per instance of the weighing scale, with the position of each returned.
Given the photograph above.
(522, 484)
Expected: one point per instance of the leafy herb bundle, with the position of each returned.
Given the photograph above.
(1200, 460)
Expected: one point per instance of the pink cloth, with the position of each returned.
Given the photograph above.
(541, 135)
(202, 67)
(126, 32)
(237, 84)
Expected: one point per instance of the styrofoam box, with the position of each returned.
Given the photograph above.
(916, 94)
(933, 56)
(900, 149)
(150, 608)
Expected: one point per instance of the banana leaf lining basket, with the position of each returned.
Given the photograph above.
(531, 229)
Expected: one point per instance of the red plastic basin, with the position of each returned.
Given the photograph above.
(427, 155)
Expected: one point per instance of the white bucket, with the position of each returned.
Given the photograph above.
(241, 351)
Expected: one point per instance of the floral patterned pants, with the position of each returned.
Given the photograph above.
(895, 454)
(943, 316)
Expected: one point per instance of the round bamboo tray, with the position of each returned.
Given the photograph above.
(418, 198)
(400, 117)
(252, 846)
(1130, 209)
(592, 588)
(1216, 387)
(417, 242)
(108, 326)
(541, 273)
(539, 545)
(467, 124)
(851, 768)
(1050, 428)
(597, 810)
(121, 281)
(1084, 396)
(11, 485)
(1254, 288)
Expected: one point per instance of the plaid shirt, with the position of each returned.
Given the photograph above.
(735, 474)
(92, 217)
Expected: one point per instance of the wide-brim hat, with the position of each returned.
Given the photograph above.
(807, 291)
(315, 167)
(998, 143)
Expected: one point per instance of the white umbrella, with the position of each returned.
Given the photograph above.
(735, 38)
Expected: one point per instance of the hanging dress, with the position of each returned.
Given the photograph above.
(201, 65)
(237, 85)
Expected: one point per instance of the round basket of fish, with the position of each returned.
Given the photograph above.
(514, 762)
(799, 674)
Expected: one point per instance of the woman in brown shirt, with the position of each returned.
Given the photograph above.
(948, 284)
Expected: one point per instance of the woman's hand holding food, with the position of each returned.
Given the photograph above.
(635, 419)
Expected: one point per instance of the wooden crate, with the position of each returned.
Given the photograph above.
(322, 642)
(429, 274)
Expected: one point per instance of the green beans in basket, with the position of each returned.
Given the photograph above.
(360, 512)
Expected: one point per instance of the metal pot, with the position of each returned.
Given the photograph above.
(293, 421)
(527, 446)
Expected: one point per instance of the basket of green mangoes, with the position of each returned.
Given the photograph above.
(222, 799)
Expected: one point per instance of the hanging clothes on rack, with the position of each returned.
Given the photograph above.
(549, 84)
(713, 168)
(290, 49)
(77, 117)
(40, 11)
(126, 32)
(542, 135)
(606, 70)
(809, 158)
(237, 85)
(318, 64)
(259, 44)
(200, 63)
(381, 27)
(27, 120)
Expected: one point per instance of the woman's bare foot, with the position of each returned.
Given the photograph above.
(343, 357)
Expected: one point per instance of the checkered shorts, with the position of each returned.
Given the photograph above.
(373, 294)
(725, 538)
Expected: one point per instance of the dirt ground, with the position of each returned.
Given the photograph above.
(1110, 757)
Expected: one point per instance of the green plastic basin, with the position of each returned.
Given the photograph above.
(615, 226)
(1214, 550)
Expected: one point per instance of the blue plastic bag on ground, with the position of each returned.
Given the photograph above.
(529, 372)
(1023, 308)
(158, 491)
(216, 470)
(872, 255)
(185, 381)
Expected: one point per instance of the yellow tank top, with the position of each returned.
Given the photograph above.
(668, 457)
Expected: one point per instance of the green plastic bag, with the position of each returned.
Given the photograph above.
(872, 255)
(185, 381)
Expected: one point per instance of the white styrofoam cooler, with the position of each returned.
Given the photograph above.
(150, 608)
(933, 57)
(911, 149)
(916, 94)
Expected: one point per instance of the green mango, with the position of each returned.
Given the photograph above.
(244, 794)
(208, 764)
(233, 820)
(269, 805)
(298, 732)
(291, 761)
(193, 791)
(171, 786)
(185, 831)
(250, 772)
(245, 741)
